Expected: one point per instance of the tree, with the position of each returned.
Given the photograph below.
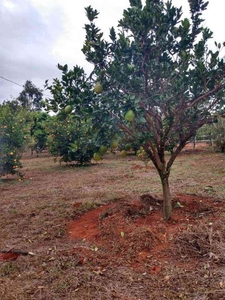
(218, 134)
(38, 131)
(70, 142)
(12, 137)
(80, 128)
(13, 104)
(215, 133)
(159, 67)
(30, 97)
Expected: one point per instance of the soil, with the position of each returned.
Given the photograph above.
(94, 233)
(133, 232)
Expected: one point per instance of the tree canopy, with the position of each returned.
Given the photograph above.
(158, 66)
(31, 96)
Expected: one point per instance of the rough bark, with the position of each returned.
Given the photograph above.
(167, 201)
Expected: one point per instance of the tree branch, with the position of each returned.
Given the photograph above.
(209, 93)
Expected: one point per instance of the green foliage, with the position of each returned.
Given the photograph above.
(218, 134)
(30, 97)
(86, 126)
(12, 137)
(38, 130)
(71, 142)
(159, 67)
(214, 132)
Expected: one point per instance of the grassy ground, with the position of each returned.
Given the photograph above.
(36, 212)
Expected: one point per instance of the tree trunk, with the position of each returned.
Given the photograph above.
(167, 201)
(194, 142)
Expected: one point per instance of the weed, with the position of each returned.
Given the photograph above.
(7, 269)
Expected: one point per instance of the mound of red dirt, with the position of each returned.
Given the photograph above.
(134, 233)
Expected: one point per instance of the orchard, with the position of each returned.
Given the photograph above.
(135, 207)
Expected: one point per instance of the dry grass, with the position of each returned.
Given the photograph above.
(35, 213)
(204, 240)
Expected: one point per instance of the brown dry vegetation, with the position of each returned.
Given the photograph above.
(97, 232)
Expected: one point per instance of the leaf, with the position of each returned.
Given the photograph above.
(112, 34)
(137, 100)
(186, 23)
(122, 234)
(91, 13)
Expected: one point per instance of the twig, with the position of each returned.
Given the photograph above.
(16, 251)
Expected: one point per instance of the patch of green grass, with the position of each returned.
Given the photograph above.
(87, 206)
(8, 268)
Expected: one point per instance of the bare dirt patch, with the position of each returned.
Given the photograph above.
(133, 231)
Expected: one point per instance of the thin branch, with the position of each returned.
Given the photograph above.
(126, 129)
(209, 93)
(154, 156)
(152, 126)
(179, 148)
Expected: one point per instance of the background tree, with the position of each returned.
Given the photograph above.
(69, 143)
(13, 104)
(80, 127)
(218, 134)
(13, 132)
(215, 133)
(160, 70)
(30, 97)
(72, 141)
(38, 131)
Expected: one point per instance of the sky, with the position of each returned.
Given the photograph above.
(36, 35)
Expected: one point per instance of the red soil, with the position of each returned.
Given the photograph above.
(133, 231)
(8, 256)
